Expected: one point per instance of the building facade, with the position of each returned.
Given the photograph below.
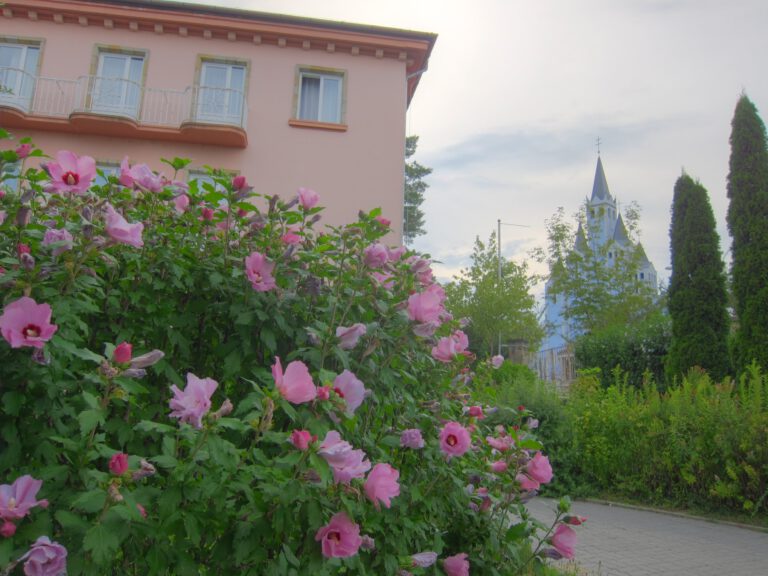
(606, 238)
(288, 102)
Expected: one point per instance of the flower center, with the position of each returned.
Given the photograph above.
(451, 440)
(11, 503)
(335, 536)
(31, 331)
(70, 178)
(338, 391)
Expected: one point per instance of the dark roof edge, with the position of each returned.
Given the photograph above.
(204, 9)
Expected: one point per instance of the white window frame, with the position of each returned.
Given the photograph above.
(109, 169)
(221, 104)
(118, 95)
(317, 113)
(21, 79)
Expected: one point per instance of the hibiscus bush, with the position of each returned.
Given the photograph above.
(198, 379)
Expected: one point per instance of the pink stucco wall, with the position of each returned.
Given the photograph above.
(361, 168)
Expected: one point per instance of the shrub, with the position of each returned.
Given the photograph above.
(639, 351)
(197, 381)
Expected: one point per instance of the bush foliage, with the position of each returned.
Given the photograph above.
(260, 319)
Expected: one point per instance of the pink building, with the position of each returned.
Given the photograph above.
(286, 101)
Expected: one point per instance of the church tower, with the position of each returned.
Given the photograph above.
(601, 210)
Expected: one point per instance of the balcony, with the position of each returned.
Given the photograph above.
(121, 108)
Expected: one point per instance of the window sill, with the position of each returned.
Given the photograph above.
(296, 123)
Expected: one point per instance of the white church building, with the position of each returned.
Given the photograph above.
(606, 237)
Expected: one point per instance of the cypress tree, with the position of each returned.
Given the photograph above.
(748, 226)
(697, 296)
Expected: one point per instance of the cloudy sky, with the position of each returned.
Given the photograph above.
(518, 91)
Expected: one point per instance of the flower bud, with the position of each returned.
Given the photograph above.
(27, 195)
(23, 150)
(367, 543)
(8, 529)
(114, 493)
(224, 410)
(123, 353)
(136, 373)
(148, 359)
(145, 469)
(118, 464)
(27, 261)
(23, 216)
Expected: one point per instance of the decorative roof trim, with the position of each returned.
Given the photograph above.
(239, 25)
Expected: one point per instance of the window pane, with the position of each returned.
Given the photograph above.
(331, 111)
(309, 106)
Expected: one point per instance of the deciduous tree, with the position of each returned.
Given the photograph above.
(495, 306)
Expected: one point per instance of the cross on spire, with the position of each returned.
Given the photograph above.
(598, 141)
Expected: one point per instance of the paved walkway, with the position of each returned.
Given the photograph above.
(618, 541)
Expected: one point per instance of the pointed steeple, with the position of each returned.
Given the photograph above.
(642, 257)
(581, 240)
(600, 187)
(620, 235)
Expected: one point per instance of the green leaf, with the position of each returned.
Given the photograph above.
(165, 461)
(102, 543)
(70, 521)
(149, 426)
(90, 501)
(89, 419)
(83, 353)
(192, 527)
(12, 402)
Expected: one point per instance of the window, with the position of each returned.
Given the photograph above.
(107, 169)
(320, 97)
(18, 73)
(117, 84)
(221, 94)
(10, 177)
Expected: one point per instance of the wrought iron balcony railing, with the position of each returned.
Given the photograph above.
(118, 97)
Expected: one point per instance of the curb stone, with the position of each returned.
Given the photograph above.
(763, 529)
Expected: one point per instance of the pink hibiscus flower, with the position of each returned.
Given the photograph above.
(259, 272)
(308, 198)
(564, 541)
(375, 255)
(457, 565)
(345, 462)
(26, 323)
(70, 173)
(120, 230)
(539, 469)
(450, 346)
(17, 499)
(45, 558)
(350, 389)
(296, 384)
(194, 402)
(349, 335)
(454, 439)
(381, 485)
(340, 537)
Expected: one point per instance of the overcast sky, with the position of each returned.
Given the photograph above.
(518, 91)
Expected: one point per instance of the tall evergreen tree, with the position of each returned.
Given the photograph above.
(748, 225)
(415, 186)
(697, 296)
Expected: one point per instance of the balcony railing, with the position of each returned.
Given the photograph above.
(121, 98)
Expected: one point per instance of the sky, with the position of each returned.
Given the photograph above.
(518, 91)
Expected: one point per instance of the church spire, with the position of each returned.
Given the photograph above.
(600, 187)
(620, 235)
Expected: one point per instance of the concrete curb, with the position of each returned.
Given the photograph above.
(687, 515)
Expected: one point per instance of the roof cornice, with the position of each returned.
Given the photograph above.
(184, 19)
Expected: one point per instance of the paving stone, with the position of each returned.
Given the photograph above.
(618, 541)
